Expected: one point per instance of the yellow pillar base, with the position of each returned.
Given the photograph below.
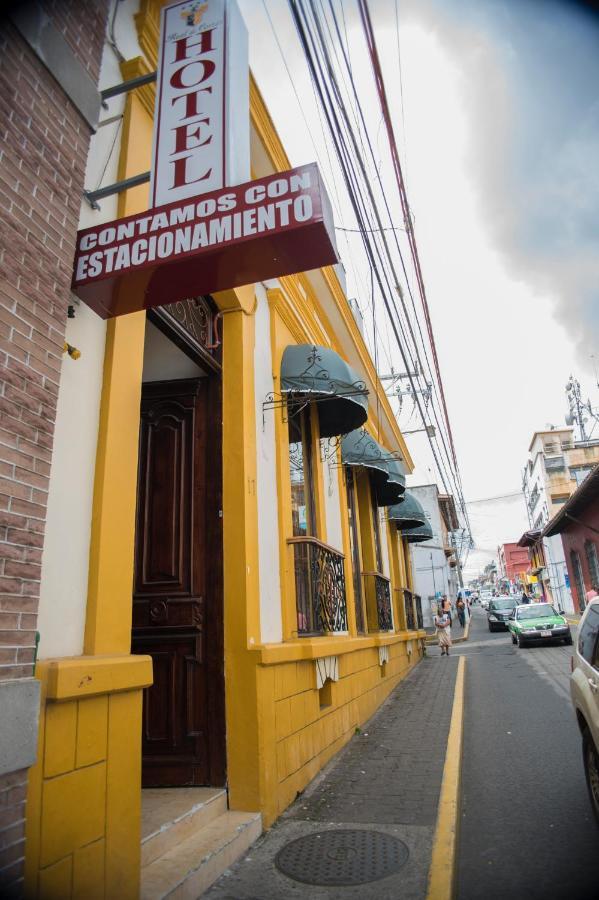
(84, 794)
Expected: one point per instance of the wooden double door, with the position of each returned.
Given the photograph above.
(177, 597)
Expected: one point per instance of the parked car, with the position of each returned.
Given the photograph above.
(584, 689)
(499, 611)
(485, 597)
(534, 623)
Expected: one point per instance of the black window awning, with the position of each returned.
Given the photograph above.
(407, 514)
(360, 449)
(317, 374)
(417, 535)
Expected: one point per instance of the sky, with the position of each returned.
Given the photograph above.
(496, 115)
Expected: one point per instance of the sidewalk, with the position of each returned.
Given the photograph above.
(384, 785)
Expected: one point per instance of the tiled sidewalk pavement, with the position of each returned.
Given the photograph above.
(387, 779)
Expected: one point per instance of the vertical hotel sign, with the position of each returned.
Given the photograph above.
(209, 228)
(199, 96)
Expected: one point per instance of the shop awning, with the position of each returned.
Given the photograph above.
(358, 448)
(407, 514)
(311, 373)
(417, 535)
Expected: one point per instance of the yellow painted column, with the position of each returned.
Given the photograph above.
(109, 605)
(367, 541)
(395, 553)
(245, 751)
(349, 563)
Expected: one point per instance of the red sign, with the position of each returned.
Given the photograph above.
(263, 229)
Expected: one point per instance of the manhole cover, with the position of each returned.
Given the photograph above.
(342, 857)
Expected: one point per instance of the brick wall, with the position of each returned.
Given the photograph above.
(43, 150)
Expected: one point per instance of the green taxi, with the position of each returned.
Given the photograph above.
(535, 623)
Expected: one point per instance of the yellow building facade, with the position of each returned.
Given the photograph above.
(293, 695)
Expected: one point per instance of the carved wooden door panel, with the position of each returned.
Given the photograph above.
(177, 616)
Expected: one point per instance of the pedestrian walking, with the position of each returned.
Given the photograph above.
(443, 627)
(524, 598)
(461, 608)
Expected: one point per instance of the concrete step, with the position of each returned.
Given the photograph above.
(184, 872)
(171, 815)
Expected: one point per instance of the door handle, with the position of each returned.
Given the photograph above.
(593, 685)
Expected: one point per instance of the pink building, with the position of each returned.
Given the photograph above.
(578, 524)
(513, 560)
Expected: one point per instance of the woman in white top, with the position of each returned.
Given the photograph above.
(443, 626)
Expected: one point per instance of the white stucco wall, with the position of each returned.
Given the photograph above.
(63, 590)
(331, 496)
(271, 625)
(556, 566)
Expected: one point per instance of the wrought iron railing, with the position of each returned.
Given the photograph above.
(377, 591)
(319, 587)
(408, 599)
(418, 604)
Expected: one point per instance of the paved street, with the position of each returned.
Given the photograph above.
(387, 780)
(526, 825)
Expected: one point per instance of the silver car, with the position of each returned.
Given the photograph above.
(584, 689)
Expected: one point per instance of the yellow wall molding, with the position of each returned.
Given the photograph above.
(290, 306)
(314, 648)
(85, 676)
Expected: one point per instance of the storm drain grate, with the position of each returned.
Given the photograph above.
(345, 857)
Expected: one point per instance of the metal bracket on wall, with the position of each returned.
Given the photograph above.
(92, 197)
(125, 86)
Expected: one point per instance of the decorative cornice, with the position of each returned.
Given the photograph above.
(147, 23)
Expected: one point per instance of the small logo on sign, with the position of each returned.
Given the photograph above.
(193, 14)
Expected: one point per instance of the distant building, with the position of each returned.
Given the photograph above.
(556, 466)
(434, 563)
(513, 560)
(577, 525)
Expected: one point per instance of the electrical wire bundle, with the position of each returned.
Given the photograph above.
(377, 203)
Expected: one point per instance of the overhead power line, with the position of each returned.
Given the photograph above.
(353, 147)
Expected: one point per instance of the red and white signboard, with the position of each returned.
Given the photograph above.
(209, 227)
(240, 235)
(201, 123)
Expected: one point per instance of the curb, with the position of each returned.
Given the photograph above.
(443, 871)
